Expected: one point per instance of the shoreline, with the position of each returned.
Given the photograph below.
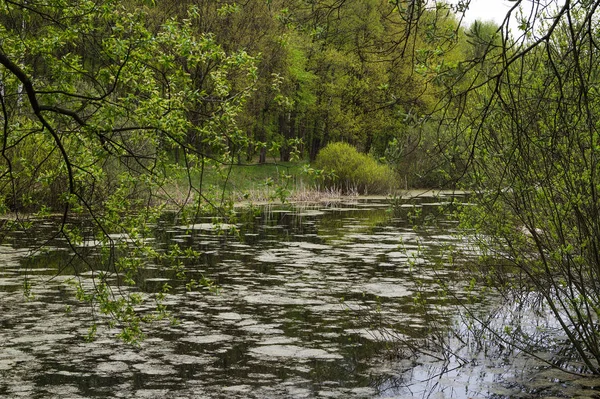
(304, 198)
(318, 197)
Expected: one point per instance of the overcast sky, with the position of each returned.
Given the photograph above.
(496, 10)
(486, 10)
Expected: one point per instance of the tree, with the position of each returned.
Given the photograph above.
(93, 103)
(531, 123)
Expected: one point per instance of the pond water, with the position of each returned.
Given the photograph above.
(314, 301)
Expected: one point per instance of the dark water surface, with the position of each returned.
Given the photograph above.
(314, 301)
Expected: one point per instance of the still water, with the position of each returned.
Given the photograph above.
(314, 301)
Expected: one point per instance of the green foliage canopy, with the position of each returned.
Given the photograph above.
(530, 121)
(93, 103)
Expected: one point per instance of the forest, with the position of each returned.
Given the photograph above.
(182, 84)
(116, 112)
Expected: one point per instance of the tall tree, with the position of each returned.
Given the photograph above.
(531, 121)
(93, 99)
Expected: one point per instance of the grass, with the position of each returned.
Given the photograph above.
(258, 177)
(269, 182)
(250, 182)
(259, 182)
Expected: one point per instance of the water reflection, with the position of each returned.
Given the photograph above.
(315, 302)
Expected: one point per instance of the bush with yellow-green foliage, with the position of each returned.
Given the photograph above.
(353, 172)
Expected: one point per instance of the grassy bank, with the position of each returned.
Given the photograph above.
(272, 181)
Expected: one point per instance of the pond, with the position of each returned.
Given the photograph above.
(313, 301)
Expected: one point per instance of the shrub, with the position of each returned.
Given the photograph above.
(353, 171)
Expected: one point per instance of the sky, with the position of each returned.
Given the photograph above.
(490, 10)
(496, 10)
(486, 10)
